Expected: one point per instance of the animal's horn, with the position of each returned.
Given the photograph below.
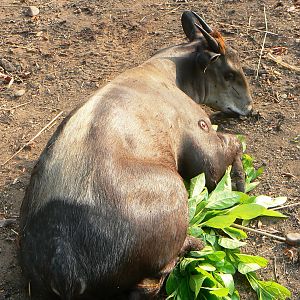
(213, 44)
(202, 22)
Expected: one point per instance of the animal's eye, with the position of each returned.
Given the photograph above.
(202, 124)
(229, 76)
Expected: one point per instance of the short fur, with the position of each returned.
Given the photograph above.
(106, 208)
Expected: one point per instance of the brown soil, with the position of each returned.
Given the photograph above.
(72, 47)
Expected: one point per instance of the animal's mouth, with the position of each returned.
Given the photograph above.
(237, 112)
(230, 112)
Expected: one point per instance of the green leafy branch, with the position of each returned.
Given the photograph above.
(208, 274)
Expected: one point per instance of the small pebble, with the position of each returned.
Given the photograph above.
(7, 65)
(293, 238)
(20, 93)
(284, 96)
(32, 11)
(49, 77)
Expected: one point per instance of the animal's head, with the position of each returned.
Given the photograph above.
(226, 87)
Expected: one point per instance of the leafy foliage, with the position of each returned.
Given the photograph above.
(208, 274)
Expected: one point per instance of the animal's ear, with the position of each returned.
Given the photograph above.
(188, 24)
(205, 58)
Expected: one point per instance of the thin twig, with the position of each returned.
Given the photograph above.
(275, 268)
(279, 61)
(248, 28)
(290, 175)
(263, 44)
(277, 237)
(14, 107)
(16, 233)
(286, 206)
(38, 134)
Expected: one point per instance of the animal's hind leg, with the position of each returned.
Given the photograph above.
(151, 288)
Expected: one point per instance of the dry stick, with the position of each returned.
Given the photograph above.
(286, 206)
(279, 61)
(14, 107)
(39, 133)
(248, 28)
(275, 269)
(263, 44)
(279, 238)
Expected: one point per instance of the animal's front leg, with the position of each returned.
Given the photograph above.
(238, 174)
(191, 244)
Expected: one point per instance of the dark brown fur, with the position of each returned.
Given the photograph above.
(105, 215)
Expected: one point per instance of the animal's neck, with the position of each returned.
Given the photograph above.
(178, 64)
(190, 80)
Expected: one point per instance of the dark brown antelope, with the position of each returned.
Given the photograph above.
(106, 210)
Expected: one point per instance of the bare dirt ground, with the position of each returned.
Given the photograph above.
(70, 48)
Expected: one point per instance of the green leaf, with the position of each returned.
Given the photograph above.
(247, 161)
(186, 261)
(273, 213)
(207, 267)
(235, 295)
(207, 275)
(268, 201)
(192, 203)
(268, 290)
(245, 258)
(200, 214)
(225, 199)
(235, 233)
(259, 171)
(216, 256)
(184, 291)
(227, 268)
(253, 281)
(214, 127)
(247, 211)
(173, 281)
(197, 185)
(204, 252)
(228, 282)
(273, 290)
(242, 139)
(195, 231)
(251, 211)
(211, 237)
(220, 221)
(251, 186)
(224, 184)
(196, 282)
(220, 292)
(230, 243)
(245, 268)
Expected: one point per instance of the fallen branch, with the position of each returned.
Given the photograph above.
(290, 238)
(276, 237)
(29, 142)
(7, 222)
(275, 269)
(279, 61)
(286, 206)
(14, 107)
(263, 44)
(248, 28)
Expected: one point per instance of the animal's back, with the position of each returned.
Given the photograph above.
(95, 194)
